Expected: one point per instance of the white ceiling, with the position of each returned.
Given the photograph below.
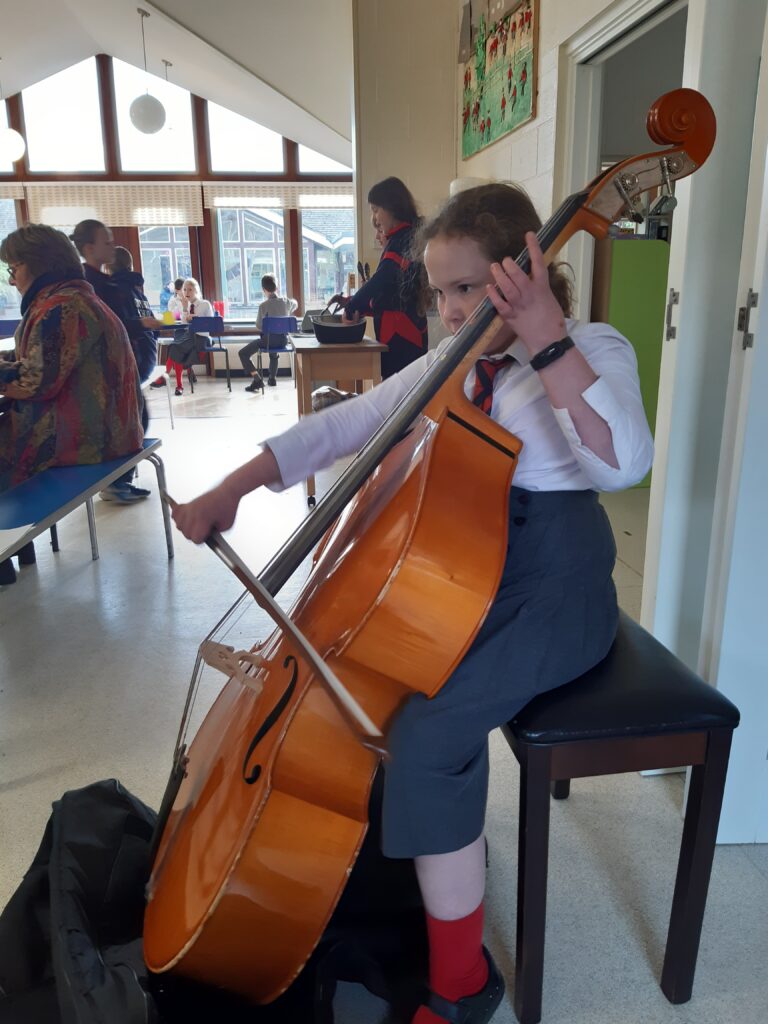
(284, 63)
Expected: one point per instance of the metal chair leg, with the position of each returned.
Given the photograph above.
(157, 462)
(226, 360)
(170, 401)
(92, 528)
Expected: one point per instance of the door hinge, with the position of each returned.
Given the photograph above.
(742, 324)
(674, 300)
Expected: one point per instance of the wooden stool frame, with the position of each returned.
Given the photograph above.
(546, 769)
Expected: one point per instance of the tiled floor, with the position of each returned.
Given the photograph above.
(95, 658)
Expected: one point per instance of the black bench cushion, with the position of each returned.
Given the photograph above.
(638, 689)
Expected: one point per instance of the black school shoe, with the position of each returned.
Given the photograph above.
(477, 1009)
(7, 573)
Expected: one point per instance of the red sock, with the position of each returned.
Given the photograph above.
(168, 364)
(457, 966)
(178, 368)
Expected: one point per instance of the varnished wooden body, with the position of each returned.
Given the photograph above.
(247, 875)
(262, 836)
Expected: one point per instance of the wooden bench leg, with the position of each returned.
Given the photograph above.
(157, 462)
(561, 789)
(533, 849)
(705, 798)
(92, 528)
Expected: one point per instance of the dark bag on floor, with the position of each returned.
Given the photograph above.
(70, 937)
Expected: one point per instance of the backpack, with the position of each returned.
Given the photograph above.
(70, 937)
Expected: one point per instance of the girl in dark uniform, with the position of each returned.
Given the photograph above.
(391, 296)
(570, 392)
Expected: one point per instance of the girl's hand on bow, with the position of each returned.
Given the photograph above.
(216, 509)
(526, 303)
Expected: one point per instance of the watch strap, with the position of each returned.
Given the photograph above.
(551, 353)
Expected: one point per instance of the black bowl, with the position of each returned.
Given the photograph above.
(331, 331)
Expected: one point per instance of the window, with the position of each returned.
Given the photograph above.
(241, 145)
(312, 162)
(259, 262)
(164, 257)
(170, 149)
(328, 248)
(232, 276)
(65, 134)
(243, 264)
(255, 229)
(9, 297)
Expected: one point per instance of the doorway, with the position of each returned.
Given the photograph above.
(623, 279)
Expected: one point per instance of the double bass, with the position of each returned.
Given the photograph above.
(266, 811)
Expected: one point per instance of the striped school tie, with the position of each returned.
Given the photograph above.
(485, 371)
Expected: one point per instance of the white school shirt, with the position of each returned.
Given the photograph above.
(553, 457)
(202, 307)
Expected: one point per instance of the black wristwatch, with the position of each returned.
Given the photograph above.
(551, 353)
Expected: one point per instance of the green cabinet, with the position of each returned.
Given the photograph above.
(629, 292)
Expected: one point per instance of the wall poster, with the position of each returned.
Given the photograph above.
(499, 79)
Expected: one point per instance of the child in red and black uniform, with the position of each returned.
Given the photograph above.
(391, 296)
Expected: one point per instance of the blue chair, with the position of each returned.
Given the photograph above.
(212, 325)
(8, 327)
(276, 325)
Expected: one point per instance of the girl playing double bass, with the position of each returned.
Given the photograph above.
(570, 392)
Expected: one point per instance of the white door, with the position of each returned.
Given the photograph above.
(722, 60)
(734, 651)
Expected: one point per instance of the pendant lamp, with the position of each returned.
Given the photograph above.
(147, 112)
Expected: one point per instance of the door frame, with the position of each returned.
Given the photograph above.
(579, 112)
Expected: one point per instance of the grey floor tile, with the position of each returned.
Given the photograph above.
(758, 855)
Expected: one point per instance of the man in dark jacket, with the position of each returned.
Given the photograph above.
(94, 241)
(131, 287)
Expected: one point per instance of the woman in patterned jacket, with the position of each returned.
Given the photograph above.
(71, 386)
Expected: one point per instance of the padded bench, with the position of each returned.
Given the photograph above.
(40, 502)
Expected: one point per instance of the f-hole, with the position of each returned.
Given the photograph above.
(249, 777)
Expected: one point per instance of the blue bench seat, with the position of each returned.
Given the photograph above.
(40, 502)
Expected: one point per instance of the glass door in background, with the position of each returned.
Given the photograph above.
(9, 297)
(165, 256)
(328, 252)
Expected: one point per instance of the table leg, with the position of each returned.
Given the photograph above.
(304, 399)
(298, 370)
